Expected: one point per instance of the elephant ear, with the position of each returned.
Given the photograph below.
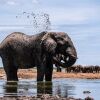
(48, 43)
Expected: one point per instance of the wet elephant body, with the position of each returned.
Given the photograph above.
(19, 50)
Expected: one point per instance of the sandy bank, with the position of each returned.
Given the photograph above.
(32, 73)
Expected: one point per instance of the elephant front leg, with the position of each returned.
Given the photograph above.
(11, 73)
(48, 71)
(40, 73)
(10, 69)
(40, 68)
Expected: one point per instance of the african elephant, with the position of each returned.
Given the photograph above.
(19, 50)
(59, 57)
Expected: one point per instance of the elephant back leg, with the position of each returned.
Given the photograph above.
(58, 68)
(10, 69)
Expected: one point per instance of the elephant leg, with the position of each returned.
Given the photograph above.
(58, 69)
(10, 69)
(48, 71)
(11, 73)
(40, 73)
(40, 68)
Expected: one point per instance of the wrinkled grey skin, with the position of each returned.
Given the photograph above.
(18, 50)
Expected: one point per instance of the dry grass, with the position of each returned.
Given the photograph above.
(32, 73)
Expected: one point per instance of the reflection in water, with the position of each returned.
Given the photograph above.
(61, 87)
(33, 88)
(10, 88)
(58, 90)
(65, 93)
(44, 88)
(23, 88)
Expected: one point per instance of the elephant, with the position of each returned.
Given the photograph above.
(21, 51)
(59, 57)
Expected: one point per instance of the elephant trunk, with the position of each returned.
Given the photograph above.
(69, 62)
(59, 62)
(68, 59)
(71, 57)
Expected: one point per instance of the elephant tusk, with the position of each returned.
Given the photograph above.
(59, 63)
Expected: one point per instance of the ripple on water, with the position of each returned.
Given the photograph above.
(62, 87)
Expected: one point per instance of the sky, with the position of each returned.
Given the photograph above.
(79, 18)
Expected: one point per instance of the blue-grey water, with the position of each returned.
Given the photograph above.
(63, 87)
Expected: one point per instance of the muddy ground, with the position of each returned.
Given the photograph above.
(43, 97)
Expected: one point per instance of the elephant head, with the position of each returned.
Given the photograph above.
(60, 43)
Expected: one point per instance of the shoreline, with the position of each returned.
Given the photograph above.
(32, 74)
(43, 97)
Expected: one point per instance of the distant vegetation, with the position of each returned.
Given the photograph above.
(82, 69)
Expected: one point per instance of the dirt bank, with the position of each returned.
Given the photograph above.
(32, 73)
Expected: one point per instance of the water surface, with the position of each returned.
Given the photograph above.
(62, 87)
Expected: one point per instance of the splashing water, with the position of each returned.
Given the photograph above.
(39, 21)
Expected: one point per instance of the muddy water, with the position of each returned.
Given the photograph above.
(62, 87)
